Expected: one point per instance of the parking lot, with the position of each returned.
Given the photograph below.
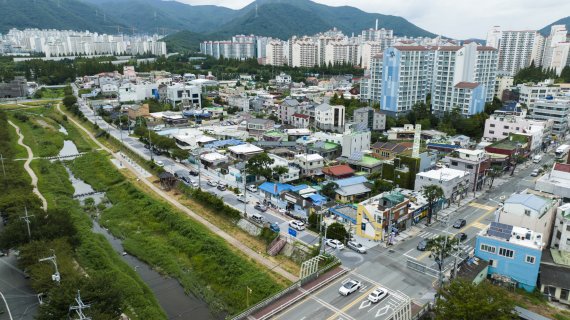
(328, 304)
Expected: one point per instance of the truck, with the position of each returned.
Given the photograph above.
(562, 151)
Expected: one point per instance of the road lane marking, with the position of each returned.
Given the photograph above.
(382, 311)
(350, 305)
(479, 225)
(481, 206)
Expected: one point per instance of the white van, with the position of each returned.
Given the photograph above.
(537, 158)
(256, 217)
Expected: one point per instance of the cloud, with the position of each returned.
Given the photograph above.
(460, 19)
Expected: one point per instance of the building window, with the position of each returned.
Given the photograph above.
(568, 241)
(491, 132)
(529, 259)
(492, 125)
(527, 212)
(564, 294)
(454, 163)
(506, 252)
(488, 248)
(469, 166)
(568, 227)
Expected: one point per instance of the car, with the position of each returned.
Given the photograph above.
(297, 225)
(274, 227)
(459, 223)
(461, 236)
(193, 173)
(256, 217)
(212, 183)
(260, 207)
(241, 198)
(377, 295)
(222, 187)
(282, 210)
(334, 243)
(535, 173)
(537, 158)
(422, 245)
(349, 287)
(159, 163)
(194, 183)
(252, 188)
(356, 246)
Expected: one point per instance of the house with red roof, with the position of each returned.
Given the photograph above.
(337, 172)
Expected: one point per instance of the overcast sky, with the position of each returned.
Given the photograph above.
(455, 18)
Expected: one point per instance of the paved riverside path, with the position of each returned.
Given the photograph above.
(27, 165)
(231, 240)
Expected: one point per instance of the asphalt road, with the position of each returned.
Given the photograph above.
(21, 299)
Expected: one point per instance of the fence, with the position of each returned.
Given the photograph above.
(284, 292)
(420, 267)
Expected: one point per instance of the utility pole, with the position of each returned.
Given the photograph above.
(150, 145)
(79, 308)
(55, 277)
(26, 219)
(245, 194)
(248, 292)
(3, 169)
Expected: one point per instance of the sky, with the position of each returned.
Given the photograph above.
(460, 19)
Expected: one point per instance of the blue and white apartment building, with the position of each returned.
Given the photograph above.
(513, 253)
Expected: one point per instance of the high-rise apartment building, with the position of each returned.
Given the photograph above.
(517, 49)
(240, 47)
(303, 53)
(275, 54)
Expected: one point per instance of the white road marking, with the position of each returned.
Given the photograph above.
(382, 311)
(364, 304)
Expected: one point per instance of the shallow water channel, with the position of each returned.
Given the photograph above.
(168, 291)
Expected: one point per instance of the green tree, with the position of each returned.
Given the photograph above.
(337, 231)
(496, 171)
(260, 165)
(329, 190)
(279, 171)
(441, 247)
(179, 154)
(516, 160)
(69, 101)
(565, 75)
(463, 300)
(381, 185)
(432, 193)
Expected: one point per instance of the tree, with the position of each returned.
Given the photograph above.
(259, 165)
(69, 101)
(337, 231)
(381, 185)
(442, 247)
(496, 171)
(517, 159)
(279, 171)
(179, 154)
(565, 75)
(432, 193)
(463, 300)
(329, 190)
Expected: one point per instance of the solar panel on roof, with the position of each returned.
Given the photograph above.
(500, 230)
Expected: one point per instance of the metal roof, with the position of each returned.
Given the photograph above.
(528, 200)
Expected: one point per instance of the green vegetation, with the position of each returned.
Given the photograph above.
(85, 260)
(45, 93)
(211, 201)
(534, 74)
(337, 231)
(432, 193)
(466, 301)
(173, 243)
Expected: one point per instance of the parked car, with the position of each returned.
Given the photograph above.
(193, 173)
(459, 223)
(377, 295)
(298, 225)
(252, 188)
(334, 243)
(422, 245)
(535, 173)
(461, 236)
(356, 246)
(241, 197)
(349, 287)
(222, 187)
(537, 158)
(256, 217)
(282, 211)
(194, 183)
(212, 183)
(260, 207)
(159, 163)
(274, 227)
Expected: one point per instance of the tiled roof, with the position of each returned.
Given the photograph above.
(467, 85)
(300, 115)
(339, 170)
(562, 167)
(411, 48)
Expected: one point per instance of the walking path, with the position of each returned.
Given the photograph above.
(231, 240)
(27, 166)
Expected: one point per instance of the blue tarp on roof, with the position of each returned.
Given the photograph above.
(317, 199)
(299, 187)
(350, 181)
(274, 188)
(223, 143)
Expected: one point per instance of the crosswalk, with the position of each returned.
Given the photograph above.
(427, 235)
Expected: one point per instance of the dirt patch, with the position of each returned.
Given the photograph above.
(44, 124)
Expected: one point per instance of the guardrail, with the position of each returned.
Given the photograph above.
(280, 294)
(420, 267)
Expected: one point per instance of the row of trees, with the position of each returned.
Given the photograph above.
(536, 74)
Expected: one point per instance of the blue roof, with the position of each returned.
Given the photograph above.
(528, 200)
(441, 145)
(299, 187)
(223, 143)
(269, 187)
(350, 181)
(317, 199)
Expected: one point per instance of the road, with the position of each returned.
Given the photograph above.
(21, 299)
(387, 267)
(271, 215)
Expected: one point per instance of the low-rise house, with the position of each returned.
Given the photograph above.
(258, 127)
(337, 172)
(362, 162)
(561, 232)
(557, 182)
(309, 164)
(389, 150)
(476, 162)
(244, 151)
(555, 275)
(214, 160)
(352, 189)
(373, 119)
(513, 253)
(302, 200)
(292, 171)
(375, 215)
(328, 150)
(345, 213)
(136, 111)
(331, 118)
(271, 191)
(454, 183)
(300, 120)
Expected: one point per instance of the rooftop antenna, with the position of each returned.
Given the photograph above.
(376, 24)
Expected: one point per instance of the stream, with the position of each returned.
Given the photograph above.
(168, 291)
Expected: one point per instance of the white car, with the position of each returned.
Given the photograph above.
(377, 295)
(356, 246)
(241, 197)
(349, 287)
(334, 243)
(282, 211)
(212, 183)
(159, 163)
(252, 188)
(298, 225)
(194, 183)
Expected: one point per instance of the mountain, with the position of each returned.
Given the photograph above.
(56, 14)
(565, 21)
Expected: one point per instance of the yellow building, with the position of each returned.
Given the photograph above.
(374, 214)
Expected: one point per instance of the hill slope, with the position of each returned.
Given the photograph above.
(56, 14)
(565, 21)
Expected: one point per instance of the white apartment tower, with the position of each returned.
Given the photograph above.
(303, 53)
(368, 50)
(274, 53)
(516, 50)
